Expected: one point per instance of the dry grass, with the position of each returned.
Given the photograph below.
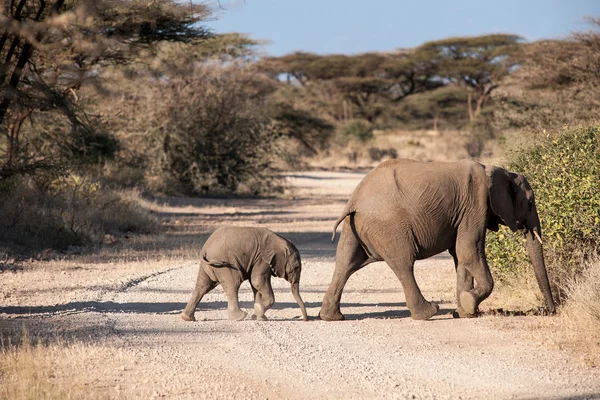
(70, 211)
(59, 370)
(26, 373)
(581, 313)
(583, 293)
(577, 326)
(516, 293)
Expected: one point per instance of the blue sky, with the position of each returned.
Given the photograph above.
(353, 26)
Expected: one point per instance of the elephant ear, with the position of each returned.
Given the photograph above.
(277, 261)
(502, 196)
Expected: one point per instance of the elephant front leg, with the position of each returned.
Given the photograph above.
(203, 285)
(464, 283)
(472, 260)
(264, 298)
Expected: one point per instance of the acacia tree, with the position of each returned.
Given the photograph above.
(359, 86)
(476, 64)
(49, 50)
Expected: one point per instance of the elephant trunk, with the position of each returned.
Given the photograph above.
(536, 254)
(296, 292)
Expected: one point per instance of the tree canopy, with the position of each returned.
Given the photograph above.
(474, 63)
(368, 86)
(50, 49)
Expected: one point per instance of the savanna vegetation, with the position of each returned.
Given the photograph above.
(104, 101)
(548, 113)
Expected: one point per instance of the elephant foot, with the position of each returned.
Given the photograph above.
(468, 302)
(428, 310)
(334, 316)
(236, 315)
(187, 317)
(255, 317)
(461, 313)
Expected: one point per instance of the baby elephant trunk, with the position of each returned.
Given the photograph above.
(296, 292)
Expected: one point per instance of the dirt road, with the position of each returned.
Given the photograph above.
(125, 302)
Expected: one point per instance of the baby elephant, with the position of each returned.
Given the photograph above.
(233, 254)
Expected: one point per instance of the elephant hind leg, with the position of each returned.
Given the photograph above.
(350, 257)
(203, 285)
(231, 281)
(420, 309)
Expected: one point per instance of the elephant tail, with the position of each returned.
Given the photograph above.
(347, 211)
(218, 264)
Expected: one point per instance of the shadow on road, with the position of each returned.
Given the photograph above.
(159, 308)
(389, 314)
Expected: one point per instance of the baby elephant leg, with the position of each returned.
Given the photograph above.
(203, 285)
(230, 281)
(264, 297)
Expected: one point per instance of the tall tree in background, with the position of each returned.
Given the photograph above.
(368, 84)
(358, 86)
(16, 48)
(50, 49)
(476, 64)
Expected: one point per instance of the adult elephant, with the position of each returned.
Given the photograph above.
(406, 210)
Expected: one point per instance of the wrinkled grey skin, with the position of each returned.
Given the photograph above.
(233, 254)
(406, 210)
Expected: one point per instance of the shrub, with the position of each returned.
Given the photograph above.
(376, 153)
(563, 170)
(25, 222)
(216, 137)
(90, 211)
(67, 210)
(311, 131)
(356, 129)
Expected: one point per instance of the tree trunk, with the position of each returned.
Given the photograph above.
(9, 55)
(13, 145)
(470, 105)
(484, 97)
(16, 16)
(436, 118)
(478, 105)
(26, 53)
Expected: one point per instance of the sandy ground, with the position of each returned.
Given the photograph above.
(123, 303)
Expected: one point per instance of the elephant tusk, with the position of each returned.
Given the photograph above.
(538, 237)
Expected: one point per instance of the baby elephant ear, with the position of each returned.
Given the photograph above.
(277, 260)
(502, 195)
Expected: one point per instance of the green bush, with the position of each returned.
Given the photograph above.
(564, 172)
